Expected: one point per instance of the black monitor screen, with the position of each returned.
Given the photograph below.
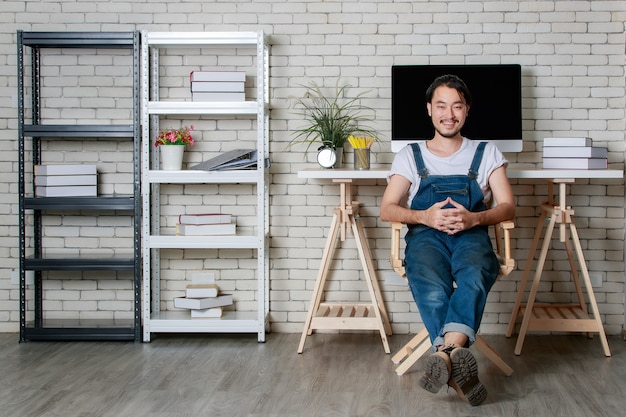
(495, 114)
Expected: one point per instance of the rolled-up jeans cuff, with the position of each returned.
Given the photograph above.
(455, 327)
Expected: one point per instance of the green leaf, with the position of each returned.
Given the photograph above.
(330, 120)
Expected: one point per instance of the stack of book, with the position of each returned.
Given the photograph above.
(218, 85)
(66, 181)
(573, 153)
(205, 224)
(203, 300)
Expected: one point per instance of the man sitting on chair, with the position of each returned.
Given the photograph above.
(446, 183)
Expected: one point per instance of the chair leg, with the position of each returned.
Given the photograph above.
(410, 353)
(410, 346)
(492, 355)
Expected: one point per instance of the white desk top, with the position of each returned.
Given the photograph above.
(343, 173)
(381, 173)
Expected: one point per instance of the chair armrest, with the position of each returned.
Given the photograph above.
(502, 238)
(395, 259)
(503, 246)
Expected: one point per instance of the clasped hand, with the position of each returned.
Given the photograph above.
(450, 220)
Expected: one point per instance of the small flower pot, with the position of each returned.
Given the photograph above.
(172, 157)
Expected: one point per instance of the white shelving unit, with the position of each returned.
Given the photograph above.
(237, 321)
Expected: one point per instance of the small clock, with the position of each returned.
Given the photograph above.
(326, 157)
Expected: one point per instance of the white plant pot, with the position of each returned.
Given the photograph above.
(172, 157)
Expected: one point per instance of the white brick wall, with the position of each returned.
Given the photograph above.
(572, 53)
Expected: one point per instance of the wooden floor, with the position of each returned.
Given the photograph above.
(336, 375)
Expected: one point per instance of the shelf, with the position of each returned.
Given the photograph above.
(566, 318)
(78, 131)
(200, 39)
(79, 39)
(205, 242)
(80, 203)
(115, 330)
(203, 107)
(191, 176)
(181, 322)
(79, 264)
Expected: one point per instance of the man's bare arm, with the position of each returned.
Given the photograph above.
(449, 220)
(393, 209)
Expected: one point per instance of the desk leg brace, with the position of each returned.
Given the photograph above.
(371, 280)
(552, 317)
(341, 316)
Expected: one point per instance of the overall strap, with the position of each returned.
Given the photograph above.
(419, 161)
(478, 157)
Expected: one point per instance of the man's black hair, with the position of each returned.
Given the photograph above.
(451, 81)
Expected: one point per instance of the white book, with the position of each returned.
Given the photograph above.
(575, 163)
(203, 303)
(567, 141)
(201, 290)
(235, 76)
(205, 218)
(205, 229)
(218, 86)
(42, 180)
(199, 96)
(65, 169)
(215, 312)
(68, 191)
(575, 152)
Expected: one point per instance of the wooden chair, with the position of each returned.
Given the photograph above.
(420, 343)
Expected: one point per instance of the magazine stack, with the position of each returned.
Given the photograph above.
(205, 224)
(573, 153)
(203, 300)
(218, 86)
(66, 180)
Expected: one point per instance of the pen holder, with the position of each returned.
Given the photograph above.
(361, 158)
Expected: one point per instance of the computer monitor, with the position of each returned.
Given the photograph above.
(495, 115)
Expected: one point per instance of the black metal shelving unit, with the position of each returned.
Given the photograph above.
(32, 131)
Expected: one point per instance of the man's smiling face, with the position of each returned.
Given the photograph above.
(448, 111)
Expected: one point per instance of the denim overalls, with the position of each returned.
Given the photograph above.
(436, 260)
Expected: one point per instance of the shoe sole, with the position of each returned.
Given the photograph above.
(436, 372)
(464, 376)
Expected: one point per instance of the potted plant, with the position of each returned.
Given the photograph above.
(172, 144)
(330, 120)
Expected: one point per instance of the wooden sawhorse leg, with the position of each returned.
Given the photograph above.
(347, 316)
(555, 317)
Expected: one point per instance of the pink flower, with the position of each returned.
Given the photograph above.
(175, 137)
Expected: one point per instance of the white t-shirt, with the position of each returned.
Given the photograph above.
(456, 164)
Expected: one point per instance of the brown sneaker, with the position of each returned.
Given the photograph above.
(436, 372)
(464, 376)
